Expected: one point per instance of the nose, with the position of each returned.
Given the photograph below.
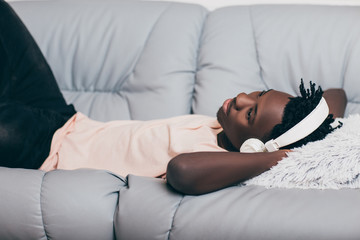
(243, 100)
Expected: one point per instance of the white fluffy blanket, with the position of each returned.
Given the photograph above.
(331, 163)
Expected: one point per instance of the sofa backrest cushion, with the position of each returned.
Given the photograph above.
(227, 60)
(249, 48)
(119, 59)
(147, 60)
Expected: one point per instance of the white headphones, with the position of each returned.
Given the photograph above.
(304, 128)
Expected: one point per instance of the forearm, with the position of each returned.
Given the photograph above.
(203, 172)
(337, 100)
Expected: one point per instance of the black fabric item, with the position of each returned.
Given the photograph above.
(31, 104)
(26, 134)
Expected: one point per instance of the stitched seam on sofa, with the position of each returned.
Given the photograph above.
(197, 63)
(40, 202)
(256, 46)
(108, 46)
(173, 218)
(145, 43)
(204, 21)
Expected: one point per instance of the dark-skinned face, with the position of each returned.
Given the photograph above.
(252, 115)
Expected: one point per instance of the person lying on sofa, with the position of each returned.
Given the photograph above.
(197, 154)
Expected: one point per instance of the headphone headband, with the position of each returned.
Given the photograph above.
(301, 130)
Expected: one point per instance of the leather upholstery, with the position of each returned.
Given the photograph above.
(147, 60)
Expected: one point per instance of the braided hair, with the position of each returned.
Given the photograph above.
(297, 109)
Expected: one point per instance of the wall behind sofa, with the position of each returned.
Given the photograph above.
(213, 4)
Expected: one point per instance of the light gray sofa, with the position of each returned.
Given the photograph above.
(147, 60)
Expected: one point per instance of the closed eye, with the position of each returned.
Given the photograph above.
(261, 93)
(253, 111)
(264, 92)
(248, 115)
(251, 114)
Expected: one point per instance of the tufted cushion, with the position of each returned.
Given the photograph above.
(77, 204)
(249, 48)
(113, 65)
(317, 43)
(20, 204)
(227, 60)
(248, 212)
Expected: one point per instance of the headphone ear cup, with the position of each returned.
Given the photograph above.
(252, 145)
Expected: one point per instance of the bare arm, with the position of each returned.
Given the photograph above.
(337, 100)
(203, 172)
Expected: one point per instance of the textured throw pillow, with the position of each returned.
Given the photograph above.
(331, 163)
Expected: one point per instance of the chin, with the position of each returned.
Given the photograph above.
(220, 116)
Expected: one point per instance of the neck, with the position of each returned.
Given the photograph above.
(224, 142)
